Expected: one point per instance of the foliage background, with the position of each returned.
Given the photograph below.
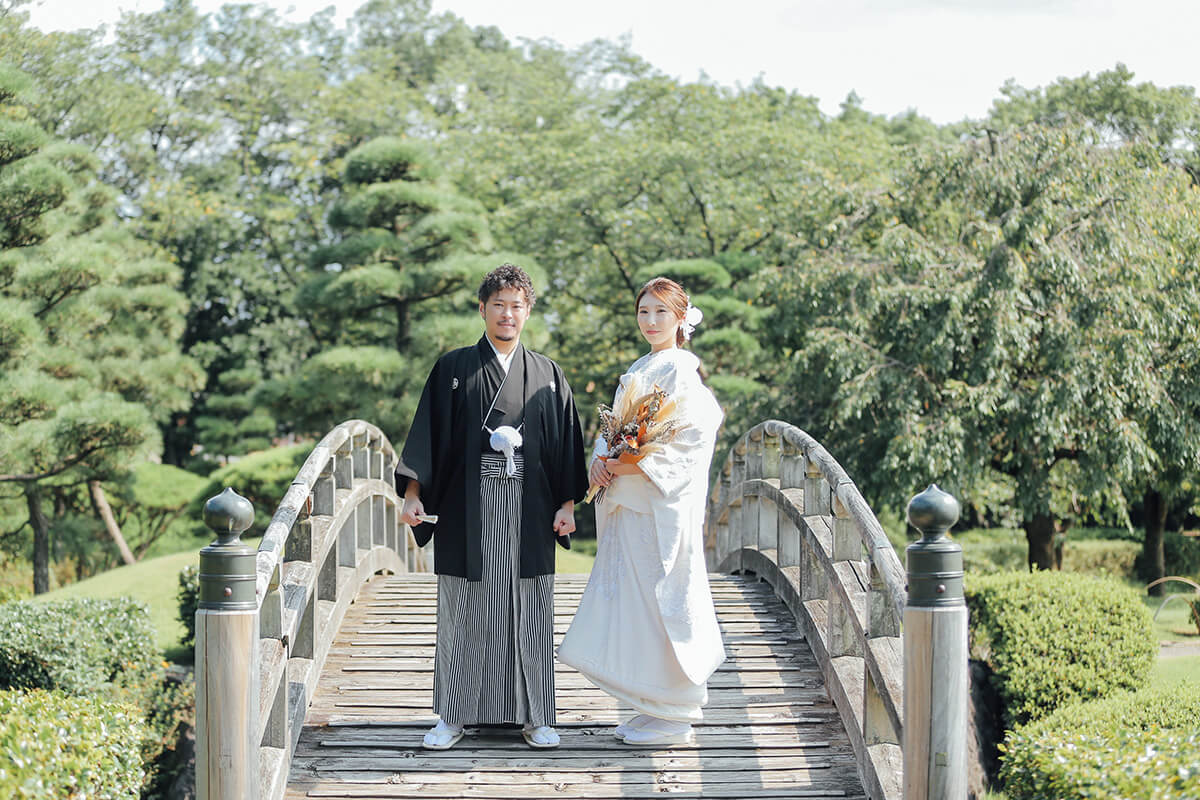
(284, 222)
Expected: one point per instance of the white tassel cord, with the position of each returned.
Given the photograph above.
(506, 439)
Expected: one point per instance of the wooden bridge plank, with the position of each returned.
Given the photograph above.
(654, 791)
(769, 729)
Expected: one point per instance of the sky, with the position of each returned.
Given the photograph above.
(947, 59)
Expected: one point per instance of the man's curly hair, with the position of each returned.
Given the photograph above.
(507, 276)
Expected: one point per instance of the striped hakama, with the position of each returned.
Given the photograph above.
(494, 662)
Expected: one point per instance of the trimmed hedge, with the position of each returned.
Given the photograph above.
(93, 647)
(1053, 638)
(1003, 554)
(1181, 553)
(1101, 557)
(1136, 745)
(80, 646)
(189, 600)
(983, 555)
(54, 746)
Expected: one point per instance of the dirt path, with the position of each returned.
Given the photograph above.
(1178, 649)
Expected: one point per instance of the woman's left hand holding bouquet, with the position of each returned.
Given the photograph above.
(604, 469)
(624, 464)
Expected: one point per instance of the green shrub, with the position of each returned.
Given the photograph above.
(173, 708)
(16, 579)
(1181, 554)
(55, 746)
(1131, 745)
(982, 557)
(97, 647)
(1080, 533)
(1006, 550)
(189, 600)
(1101, 557)
(80, 646)
(1052, 638)
(262, 478)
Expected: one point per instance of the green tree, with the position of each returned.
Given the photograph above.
(89, 324)
(409, 248)
(1015, 310)
(722, 184)
(1167, 120)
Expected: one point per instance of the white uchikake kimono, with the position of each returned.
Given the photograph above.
(646, 630)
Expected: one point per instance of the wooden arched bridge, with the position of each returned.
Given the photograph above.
(314, 657)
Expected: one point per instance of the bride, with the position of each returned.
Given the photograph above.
(646, 630)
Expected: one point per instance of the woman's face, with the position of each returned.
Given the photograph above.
(657, 322)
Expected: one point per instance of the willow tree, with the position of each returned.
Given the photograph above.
(89, 325)
(1016, 312)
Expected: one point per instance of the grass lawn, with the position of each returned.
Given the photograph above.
(154, 581)
(1171, 671)
(1174, 622)
(578, 559)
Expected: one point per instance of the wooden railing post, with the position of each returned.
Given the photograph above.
(227, 668)
(882, 623)
(724, 539)
(847, 546)
(737, 506)
(361, 455)
(752, 504)
(771, 455)
(935, 655)
(816, 490)
(791, 484)
(375, 457)
(768, 510)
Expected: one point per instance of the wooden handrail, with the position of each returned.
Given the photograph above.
(786, 510)
(337, 525)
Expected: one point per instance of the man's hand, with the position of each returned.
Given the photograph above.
(564, 520)
(412, 509)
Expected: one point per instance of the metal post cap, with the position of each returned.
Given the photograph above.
(228, 515)
(227, 566)
(935, 563)
(933, 511)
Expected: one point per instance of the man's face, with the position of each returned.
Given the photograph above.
(504, 315)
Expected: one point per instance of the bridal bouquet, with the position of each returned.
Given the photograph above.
(644, 421)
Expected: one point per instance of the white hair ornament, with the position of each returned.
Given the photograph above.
(691, 318)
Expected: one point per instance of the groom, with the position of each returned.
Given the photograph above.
(495, 452)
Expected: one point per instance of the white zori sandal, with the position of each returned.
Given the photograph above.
(622, 730)
(659, 732)
(442, 736)
(543, 737)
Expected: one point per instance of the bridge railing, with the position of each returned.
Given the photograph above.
(267, 618)
(785, 510)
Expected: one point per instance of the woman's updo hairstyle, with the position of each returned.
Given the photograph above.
(673, 297)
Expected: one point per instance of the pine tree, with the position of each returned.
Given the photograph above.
(89, 325)
(395, 290)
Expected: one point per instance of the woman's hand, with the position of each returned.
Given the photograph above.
(623, 468)
(599, 473)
